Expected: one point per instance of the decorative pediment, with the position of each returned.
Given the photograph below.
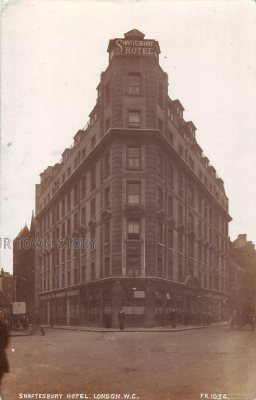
(181, 228)
(171, 222)
(200, 240)
(191, 235)
(134, 34)
(136, 210)
(133, 245)
(192, 282)
(160, 214)
(92, 223)
(106, 214)
(83, 228)
(75, 233)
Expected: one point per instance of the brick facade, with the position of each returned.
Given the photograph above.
(153, 201)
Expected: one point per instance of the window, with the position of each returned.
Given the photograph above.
(210, 215)
(107, 232)
(133, 230)
(180, 150)
(160, 94)
(63, 178)
(134, 83)
(180, 214)
(63, 207)
(134, 119)
(170, 270)
(69, 171)
(93, 142)
(133, 266)
(76, 222)
(210, 235)
(205, 209)
(170, 175)
(76, 163)
(133, 192)
(205, 233)
(200, 230)
(160, 125)
(170, 207)
(83, 215)
(160, 198)
(92, 271)
(191, 163)
(191, 248)
(107, 93)
(106, 267)
(200, 202)
(134, 157)
(107, 163)
(84, 153)
(68, 202)
(180, 272)
(190, 195)
(68, 227)
(107, 197)
(93, 178)
(180, 242)
(57, 215)
(170, 238)
(160, 235)
(159, 272)
(180, 184)
(93, 208)
(107, 125)
(160, 164)
(75, 194)
(190, 222)
(171, 137)
(63, 230)
(83, 186)
(205, 181)
(200, 253)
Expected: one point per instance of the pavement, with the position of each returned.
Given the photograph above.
(178, 328)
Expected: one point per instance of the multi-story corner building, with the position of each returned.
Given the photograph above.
(136, 179)
(242, 269)
(24, 268)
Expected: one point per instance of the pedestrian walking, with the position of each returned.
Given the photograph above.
(37, 326)
(121, 319)
(174, 318)
(4, 339)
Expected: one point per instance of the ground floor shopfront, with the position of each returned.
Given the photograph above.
(146, 302)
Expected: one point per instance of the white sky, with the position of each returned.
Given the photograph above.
(53, 53)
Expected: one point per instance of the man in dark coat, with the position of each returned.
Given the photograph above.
(121, 319)
(4, 339)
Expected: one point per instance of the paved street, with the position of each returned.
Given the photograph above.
(152, 365)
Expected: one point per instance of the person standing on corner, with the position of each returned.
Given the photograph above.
(4, 339)
(121, 319)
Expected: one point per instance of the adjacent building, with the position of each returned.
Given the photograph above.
(242, 273)
(142, 213)
(24, 268)
(6, 287)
